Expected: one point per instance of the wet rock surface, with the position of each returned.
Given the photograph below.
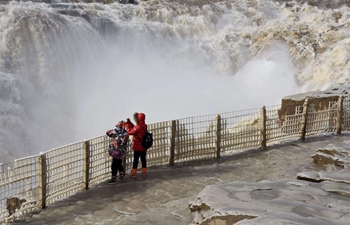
(318, 197)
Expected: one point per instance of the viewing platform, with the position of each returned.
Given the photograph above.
(163, 197)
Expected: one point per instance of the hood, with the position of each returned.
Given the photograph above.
(142, 118)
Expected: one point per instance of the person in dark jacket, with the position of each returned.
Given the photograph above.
(138, 131)
(117, 149)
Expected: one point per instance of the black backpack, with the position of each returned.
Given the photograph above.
(147, 140)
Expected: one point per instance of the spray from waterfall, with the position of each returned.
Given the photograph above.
(69, 72)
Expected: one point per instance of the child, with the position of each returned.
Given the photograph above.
(117, 149)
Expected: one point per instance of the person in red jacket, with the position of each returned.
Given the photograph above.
(138, 132)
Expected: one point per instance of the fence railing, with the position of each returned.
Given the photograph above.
(34, 182)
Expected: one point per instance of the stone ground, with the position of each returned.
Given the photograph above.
(163, 197)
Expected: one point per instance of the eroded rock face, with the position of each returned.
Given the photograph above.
(284, 201)
(324, 200)
(319, 99)
(13, 204)
(335, 159)
(332, 154)
(322, 4)
(224, 220)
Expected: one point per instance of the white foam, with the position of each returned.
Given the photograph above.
(165, 59)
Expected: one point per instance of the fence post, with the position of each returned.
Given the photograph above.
(304, 120)
(263, 128)
(42, 180)
(86, 165)
(127, 150)
(172, 143)
(218, 136)
(340, 114)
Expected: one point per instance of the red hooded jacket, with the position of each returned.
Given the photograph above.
(138, 131)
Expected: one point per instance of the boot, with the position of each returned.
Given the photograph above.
(113, 180)
(144, 172)
(133, 173)
(122, 176)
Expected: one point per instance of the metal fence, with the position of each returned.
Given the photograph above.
(194, 138)
(19, 187)
(63, 172)
(99, 160)
(346, 114)
(34, 182)
(278, 130)
(240, 130)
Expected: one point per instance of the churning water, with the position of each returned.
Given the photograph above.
(70, 70)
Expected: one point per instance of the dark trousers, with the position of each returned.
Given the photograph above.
(137, 155)
(117, 164)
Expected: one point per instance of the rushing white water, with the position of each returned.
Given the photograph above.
(70, 71)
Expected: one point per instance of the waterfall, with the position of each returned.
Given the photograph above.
(69, 70)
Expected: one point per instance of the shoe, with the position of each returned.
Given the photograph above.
(144, 172)
(122, 176)
(133, 173)
(113, 181)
